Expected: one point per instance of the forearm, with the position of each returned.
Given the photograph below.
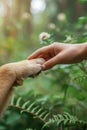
(5, 95)
(7, 79)
(13, 74)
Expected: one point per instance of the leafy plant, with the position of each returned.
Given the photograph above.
(30, 107)
(57, 99)
(48, 119)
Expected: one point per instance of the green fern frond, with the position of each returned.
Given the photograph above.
(65, 120)
(30, 107)
(12, 100)
(46, 116)
(18, 101)
(25, 104)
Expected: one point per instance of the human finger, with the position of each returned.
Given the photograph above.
(39, 52)
(50, 63)
(34, 55)
(58, 59)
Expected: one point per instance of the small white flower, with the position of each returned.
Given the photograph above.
(44, 36)
(61, 17)
(68, 38)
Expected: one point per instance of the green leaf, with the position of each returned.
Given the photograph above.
(18, 101)
(31, 105)
(82, 19)
(25, 104)
(82, 1)
(12, 100)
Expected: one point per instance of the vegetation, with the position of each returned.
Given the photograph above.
(57, 98)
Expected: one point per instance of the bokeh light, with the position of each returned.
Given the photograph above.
(38, 6)
(2, 10)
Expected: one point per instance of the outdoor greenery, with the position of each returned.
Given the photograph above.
(57, 98)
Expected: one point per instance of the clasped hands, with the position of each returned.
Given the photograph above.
(47, 57)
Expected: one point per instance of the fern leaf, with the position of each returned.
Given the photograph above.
(46, 116)
(31, 108)
(64, 120)
(18, 101)
(35, 108)
(58, 119)
(42, 114)
(38, 112)
(25, 104)
(12, 100)
(31, 105)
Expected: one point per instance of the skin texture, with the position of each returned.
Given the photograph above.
(13, 74)
(60, 53)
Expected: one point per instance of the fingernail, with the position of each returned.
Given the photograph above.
(43, 67)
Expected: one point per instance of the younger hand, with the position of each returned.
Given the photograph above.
(59, 53)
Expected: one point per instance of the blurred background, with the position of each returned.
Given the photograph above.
(21, 22)
(63, 88)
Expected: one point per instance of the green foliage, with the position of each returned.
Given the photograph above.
(65, 121)
(30, 107)
(48, 119)
(41, 102)
(83, 1)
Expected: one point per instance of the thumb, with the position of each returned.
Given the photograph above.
(58, 59)
(50, 63)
